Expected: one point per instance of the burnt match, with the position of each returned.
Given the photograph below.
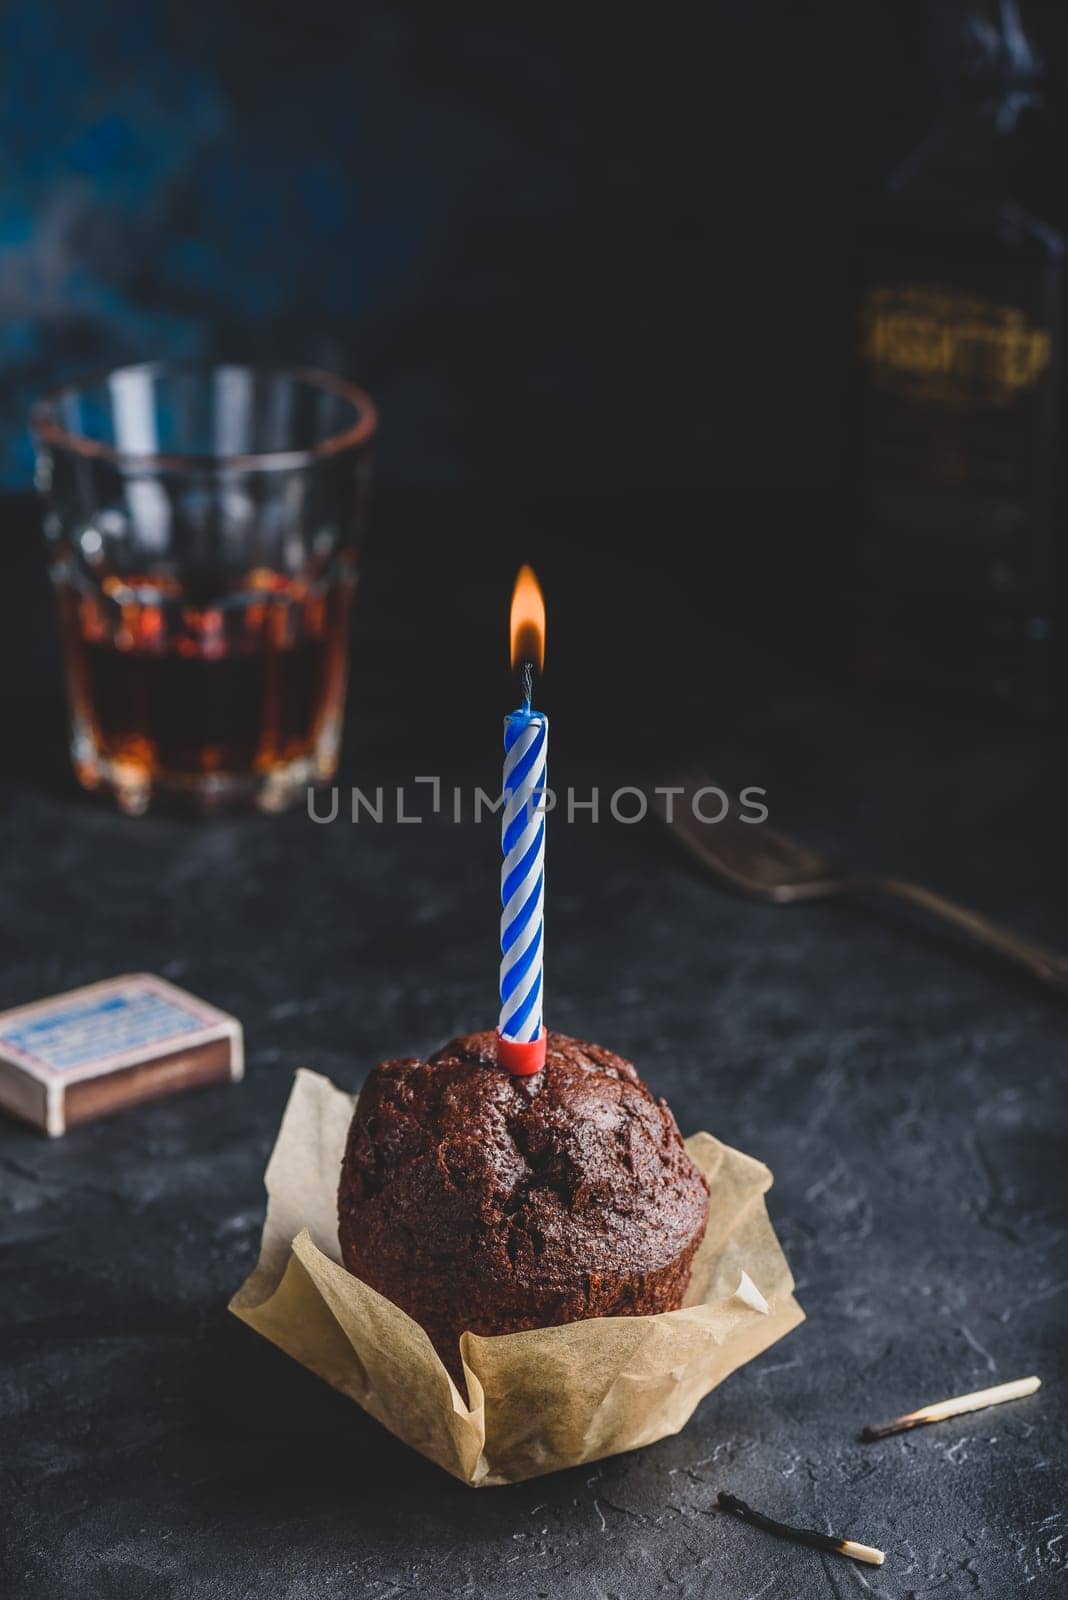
(809, 1536)
(955, 1408)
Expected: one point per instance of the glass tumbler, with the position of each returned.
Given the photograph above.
(203, 526)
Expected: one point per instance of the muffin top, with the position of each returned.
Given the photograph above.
(573, 1172)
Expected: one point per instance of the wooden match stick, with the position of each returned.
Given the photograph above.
(809, 1536)
(955, 1408)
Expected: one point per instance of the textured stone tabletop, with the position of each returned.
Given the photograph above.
(908, 1096)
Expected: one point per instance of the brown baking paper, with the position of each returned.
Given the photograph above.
(539, 1401)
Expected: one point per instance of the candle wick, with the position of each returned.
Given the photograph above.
(528, 684)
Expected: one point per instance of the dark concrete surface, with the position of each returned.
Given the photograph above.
(907, 1094)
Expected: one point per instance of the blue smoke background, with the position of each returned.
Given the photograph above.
(600, 247)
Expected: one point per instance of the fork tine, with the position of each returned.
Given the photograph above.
(748, 855)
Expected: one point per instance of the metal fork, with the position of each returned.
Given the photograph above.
(763, 864)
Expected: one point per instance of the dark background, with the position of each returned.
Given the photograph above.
(597, 266)
(590, 246)
(576, 247)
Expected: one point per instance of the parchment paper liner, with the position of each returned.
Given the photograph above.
(539, 1401)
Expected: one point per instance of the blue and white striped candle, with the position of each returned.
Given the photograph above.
(526, 738)
(520, 1031)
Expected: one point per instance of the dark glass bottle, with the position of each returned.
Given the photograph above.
(961, 355)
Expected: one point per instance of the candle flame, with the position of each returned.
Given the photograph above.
(528, 621)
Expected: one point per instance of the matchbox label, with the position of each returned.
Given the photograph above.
(82, 1031)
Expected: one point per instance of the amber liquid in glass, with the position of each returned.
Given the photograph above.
(171, 690)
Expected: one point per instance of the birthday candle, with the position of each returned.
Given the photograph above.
(520, 1031)
(523, 874)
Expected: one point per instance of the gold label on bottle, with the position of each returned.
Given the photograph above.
(960, 352)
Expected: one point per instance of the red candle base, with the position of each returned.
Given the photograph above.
(522, 1059)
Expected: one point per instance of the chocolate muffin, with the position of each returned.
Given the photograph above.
(477, 1200)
